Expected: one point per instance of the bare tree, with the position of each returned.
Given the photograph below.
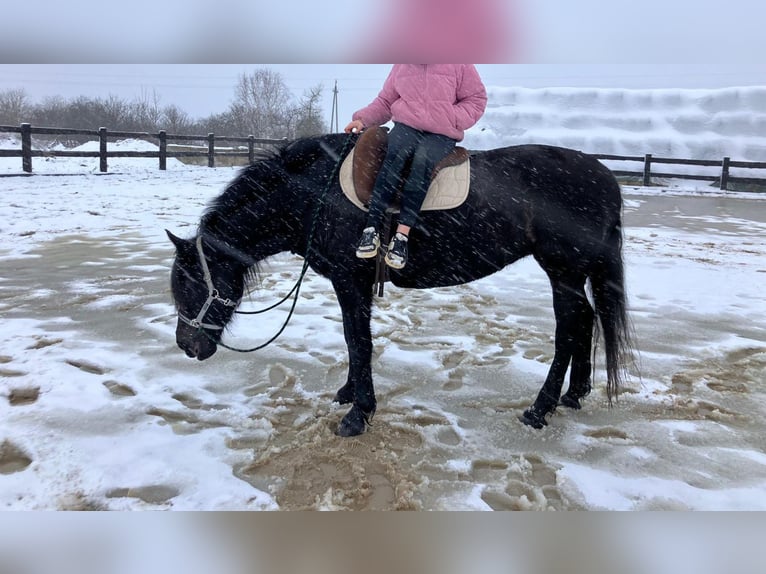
(113, 112)
(146, 111)
(82, 112)
(51, 112)
(14, 106)
(308, 114)
(223, 123)
(261, 104)
(175, 120)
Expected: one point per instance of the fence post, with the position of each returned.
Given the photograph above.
(26, 147)
(211, 150)
(725, 173)
(163, 150)
(102, 150)
(250, 149)
(647, 170)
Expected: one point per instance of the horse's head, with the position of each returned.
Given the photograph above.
(206, 286)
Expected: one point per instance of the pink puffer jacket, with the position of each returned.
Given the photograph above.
(444, 99)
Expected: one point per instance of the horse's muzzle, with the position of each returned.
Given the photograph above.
(196, 344)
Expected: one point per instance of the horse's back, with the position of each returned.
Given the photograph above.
(553, 185)
(572, 203)
(560, 173)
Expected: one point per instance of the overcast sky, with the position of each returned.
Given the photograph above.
(204, 89)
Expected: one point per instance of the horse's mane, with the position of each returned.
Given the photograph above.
(237, 193)
(236, 190)
(270, 167)
(287, 158)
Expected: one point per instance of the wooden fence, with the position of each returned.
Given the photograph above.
(26, 153)
(725, 178)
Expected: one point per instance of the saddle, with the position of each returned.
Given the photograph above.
(449, 183)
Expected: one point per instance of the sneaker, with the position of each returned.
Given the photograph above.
(396, 256)
(368, 244)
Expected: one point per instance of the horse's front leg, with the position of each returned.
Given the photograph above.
(356, 305)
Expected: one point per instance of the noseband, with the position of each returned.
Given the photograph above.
(212, 295)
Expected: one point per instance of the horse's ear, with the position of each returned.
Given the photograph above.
(177, 241)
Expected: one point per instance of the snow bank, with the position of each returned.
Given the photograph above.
(693, 124)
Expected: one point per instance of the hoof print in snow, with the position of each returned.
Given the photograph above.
(86, 367)
(12, 458)
(155, 494)
(23, 396)
(11, 373)
(119, 390)
(42, 343)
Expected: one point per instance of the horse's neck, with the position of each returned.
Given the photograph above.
(283, 227)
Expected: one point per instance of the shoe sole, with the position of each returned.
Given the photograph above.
(395, 264)
(366, 254)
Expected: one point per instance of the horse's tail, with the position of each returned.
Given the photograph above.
(608, 284)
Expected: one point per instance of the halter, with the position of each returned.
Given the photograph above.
(212, 295)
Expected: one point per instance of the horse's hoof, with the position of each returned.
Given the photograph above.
(354, 423)
(570, 402)
(533, 419)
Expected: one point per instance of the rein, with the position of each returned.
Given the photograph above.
(294, 292)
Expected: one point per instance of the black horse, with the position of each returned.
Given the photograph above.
(561, 206)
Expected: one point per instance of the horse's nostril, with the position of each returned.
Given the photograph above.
(190, 349)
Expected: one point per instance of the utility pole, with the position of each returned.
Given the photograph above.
(334, 115)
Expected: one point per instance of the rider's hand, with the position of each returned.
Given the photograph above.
(354, 127)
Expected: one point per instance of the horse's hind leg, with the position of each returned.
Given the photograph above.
(571, 308)
(580, 372)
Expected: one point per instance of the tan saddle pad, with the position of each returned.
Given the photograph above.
(449, 184)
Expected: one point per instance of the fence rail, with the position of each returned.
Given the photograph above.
(725, 178)
(26, 153)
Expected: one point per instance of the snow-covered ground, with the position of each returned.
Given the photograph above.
(99, 409)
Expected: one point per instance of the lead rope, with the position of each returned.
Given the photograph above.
(297, 288)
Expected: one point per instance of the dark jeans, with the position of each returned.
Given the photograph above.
(405, 143)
